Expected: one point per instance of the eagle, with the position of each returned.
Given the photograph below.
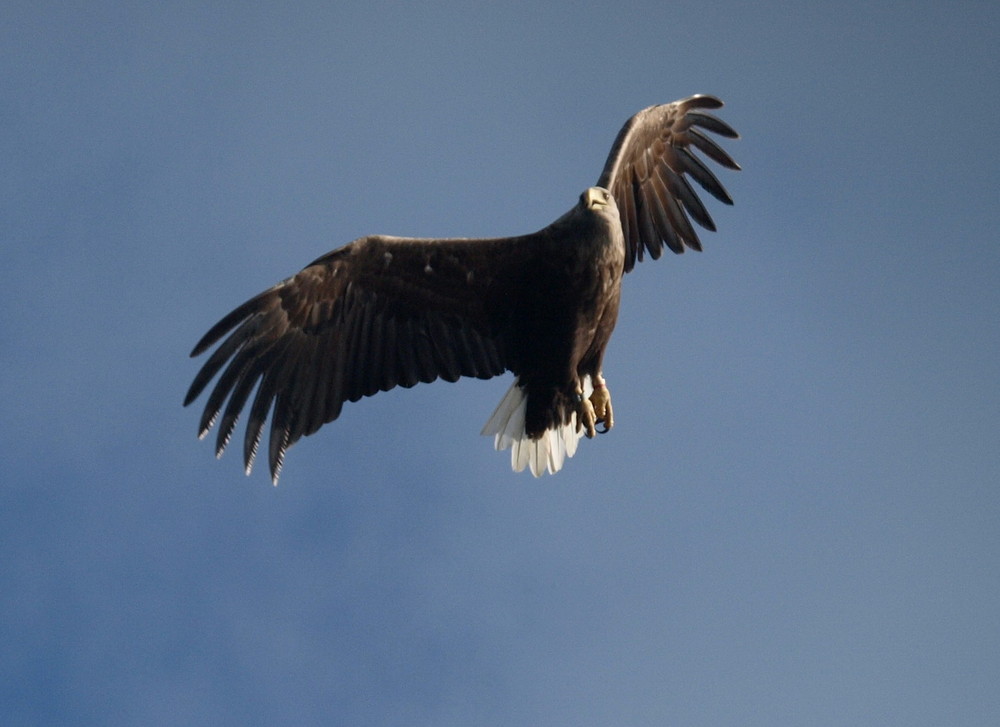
(384, 311)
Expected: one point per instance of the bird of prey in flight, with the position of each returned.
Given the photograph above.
(384, 311)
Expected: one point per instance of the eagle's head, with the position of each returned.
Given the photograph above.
(596, 198)
(599, 202)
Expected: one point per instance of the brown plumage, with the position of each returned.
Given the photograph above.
(384, 311)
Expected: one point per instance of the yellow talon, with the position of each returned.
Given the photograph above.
(600, 402)
(595, 410)
(586, 419)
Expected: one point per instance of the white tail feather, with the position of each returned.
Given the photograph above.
(547, 453)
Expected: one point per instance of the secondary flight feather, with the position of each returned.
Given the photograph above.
(383, 311)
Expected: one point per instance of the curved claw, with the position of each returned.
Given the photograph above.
(603, 413)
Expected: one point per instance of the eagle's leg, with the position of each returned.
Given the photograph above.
(586, 419)
(600, 401)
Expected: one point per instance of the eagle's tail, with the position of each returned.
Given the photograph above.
(549, 451)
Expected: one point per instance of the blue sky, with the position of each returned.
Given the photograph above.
(796, 520)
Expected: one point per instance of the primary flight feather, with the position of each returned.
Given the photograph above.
(386, 311)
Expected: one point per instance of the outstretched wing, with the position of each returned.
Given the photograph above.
(377, 313)
(645, 172)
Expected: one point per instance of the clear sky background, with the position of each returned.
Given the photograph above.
(796, 520)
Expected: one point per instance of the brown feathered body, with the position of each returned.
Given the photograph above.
(383, 311)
